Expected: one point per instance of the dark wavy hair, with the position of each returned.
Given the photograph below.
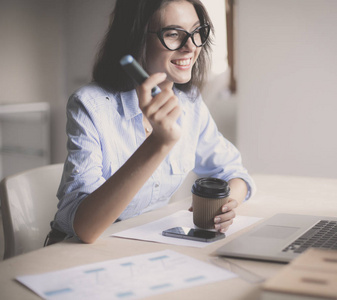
(127, 34)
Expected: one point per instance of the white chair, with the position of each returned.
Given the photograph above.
(28, 204)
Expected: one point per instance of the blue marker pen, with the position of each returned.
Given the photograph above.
(136, 72)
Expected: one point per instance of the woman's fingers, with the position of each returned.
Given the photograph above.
(223, 221)
(223, 227)
(231, 204)
(161, 105)
(144, 90)
(162, 111)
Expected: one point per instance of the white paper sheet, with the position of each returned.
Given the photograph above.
(132, 277)
(153, 231)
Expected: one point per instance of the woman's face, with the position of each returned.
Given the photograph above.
(176, 64)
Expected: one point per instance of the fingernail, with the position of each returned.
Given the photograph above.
(217, 226)
(225, 208)
(217, 220)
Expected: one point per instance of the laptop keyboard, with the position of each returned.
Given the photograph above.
(322, 235)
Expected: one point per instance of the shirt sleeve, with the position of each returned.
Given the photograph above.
(83, 167)
(216, 156)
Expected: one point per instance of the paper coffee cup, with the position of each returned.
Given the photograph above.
(209, 195)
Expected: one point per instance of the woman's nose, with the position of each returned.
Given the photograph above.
(189, 45)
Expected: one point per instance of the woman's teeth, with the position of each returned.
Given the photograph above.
(184, 62)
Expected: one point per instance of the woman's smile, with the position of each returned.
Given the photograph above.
(186, 62)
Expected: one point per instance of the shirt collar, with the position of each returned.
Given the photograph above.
(182, 98)
(130, 104)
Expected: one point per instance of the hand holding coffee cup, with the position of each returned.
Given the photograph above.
(209, 195)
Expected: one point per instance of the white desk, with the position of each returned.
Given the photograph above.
(275, 194)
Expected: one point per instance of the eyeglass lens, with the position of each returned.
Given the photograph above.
(176, 38)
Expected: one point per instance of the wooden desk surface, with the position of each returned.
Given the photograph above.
(289, 194)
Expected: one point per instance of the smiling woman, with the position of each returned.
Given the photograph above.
(116, 168)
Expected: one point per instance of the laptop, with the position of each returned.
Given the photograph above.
(282, 238)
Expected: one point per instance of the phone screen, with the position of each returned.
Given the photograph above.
(194, 234)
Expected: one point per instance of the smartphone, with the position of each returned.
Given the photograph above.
(200, 235)
(136, 72)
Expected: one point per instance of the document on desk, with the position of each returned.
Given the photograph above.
(153, 231)
(132, 277)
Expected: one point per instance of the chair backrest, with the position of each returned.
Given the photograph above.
(28, 204)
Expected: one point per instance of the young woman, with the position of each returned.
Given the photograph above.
(128, 152)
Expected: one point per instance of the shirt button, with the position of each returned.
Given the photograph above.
(107, 98)
(76, 171)
(157, 184)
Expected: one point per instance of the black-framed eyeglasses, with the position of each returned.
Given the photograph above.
(176, 38)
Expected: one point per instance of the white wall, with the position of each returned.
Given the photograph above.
(86, 23)
(31, 47)
(32, 64)
(46, 52)
(286, 54)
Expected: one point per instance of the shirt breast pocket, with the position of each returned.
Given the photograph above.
(182, 167)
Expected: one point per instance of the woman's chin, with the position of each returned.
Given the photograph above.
(182, 80)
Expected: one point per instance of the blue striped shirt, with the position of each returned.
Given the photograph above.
(104, 129)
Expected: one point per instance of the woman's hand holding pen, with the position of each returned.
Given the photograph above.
(103, 206)
(162, 111)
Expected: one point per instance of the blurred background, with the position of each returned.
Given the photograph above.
(281, 117)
